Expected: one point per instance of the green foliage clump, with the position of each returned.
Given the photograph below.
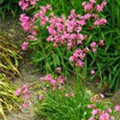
(71, 103)
(9, 57)
(107, 61)
(8, 7)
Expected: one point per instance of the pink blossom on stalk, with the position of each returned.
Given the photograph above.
(93, 44)
(88, 7)
(101, 42)
(24, 46)
(23, 5)
(33, 2)
(104, 116)
(99, 22)
(94, 50)
(71, 94)
(101, 96)
(92, 1)
(82, 22)
(92, 99)
(26, 96)
(24, 87)
(91, 118)
(117, 108)
(104, 3)
(17, 92)
(32, 37)
(61, 79)
(24, 105)
(58, 69)
(91, 106)
(95, 16)
(109, 110)
(48, 77)
(112, 118)
(92, 72)
(41, 97)
(99, 8)
(71, 59)
(96, 111)
(86, 49)
(60, 87)
(42, 78)
(52, 82)
(84, 3)
(87, 16)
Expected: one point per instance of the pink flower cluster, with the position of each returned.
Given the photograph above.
(67, 31)
(25, 93)
(24, 46)
(27, 24)
(53, 82)
(78, 57)
(99, 113)
(24, 4)
(90, 6)
(99, 22)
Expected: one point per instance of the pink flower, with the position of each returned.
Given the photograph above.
(17, 92)
(26, 96)
(24, 105)
(91, 106)
(86, 49)
(24, 46)
(101, 43)
(84, 3)
(52, 82)
(109, 110)
(96, 111)
(104, 116)
(23, 5)
(71, 94)
(95, 16)
(99, 22)
(82, 22)
(101, 96)
(93, 44)
(41, 97)
(117, 108)
(88, 7)
(87, 16)
(58, 69)
(91, 118)
(42, 78)
(92, 72)
(60, 87)
(61, 79)
(92, 1)
(71, 59)
(33, 2)
(99, 8)
(48, 77)
(94, 50)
